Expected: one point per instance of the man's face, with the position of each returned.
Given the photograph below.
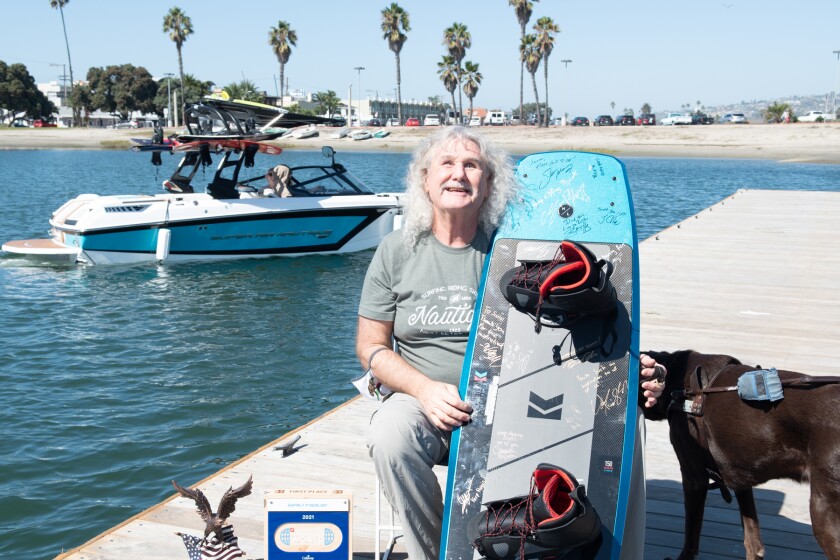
(456, 180)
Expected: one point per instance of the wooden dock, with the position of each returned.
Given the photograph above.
(751, 276)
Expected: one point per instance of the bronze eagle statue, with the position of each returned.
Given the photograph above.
(215, 521)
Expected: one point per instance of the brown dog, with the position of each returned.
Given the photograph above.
(748, 442)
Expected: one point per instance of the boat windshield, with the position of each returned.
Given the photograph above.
(326, 180)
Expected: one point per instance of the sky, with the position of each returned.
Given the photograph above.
(628, 52)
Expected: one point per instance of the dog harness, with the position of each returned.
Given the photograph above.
(754, 384)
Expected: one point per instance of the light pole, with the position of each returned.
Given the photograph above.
(359, 70)
(836, 82)
(565, 89)
(168, 77)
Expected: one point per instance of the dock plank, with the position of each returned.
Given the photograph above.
(752, 276)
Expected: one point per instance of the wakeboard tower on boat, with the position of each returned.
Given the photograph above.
(238, 216)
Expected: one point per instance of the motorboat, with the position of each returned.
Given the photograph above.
(328, 211)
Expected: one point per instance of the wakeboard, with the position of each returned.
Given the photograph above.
(217, 144)
(551, 383)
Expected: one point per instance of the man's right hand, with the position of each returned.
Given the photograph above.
(443, 405)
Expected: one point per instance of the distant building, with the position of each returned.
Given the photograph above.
(385, 108)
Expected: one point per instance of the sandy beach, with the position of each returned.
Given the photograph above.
(800, 142)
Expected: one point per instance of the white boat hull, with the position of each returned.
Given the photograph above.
(191, 227)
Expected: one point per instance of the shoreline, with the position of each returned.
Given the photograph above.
(794, 143)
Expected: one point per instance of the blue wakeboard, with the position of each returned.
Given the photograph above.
(566, 396)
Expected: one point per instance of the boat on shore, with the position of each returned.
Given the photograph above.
(361, 135)
(301, 132)
(329, 211)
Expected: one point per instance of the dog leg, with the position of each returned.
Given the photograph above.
(825, 515)
(749, 521)
(694, 497)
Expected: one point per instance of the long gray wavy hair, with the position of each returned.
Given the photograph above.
(500, 181)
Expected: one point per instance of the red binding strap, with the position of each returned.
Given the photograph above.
(574, 273)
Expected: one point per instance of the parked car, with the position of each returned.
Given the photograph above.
(432, 119)
(701, 118)
(374, 122)
(646, 119)
(603, 120)
(514, 120)
(412, 121)
(625, 120)
(475, 121)
(580, 121)
(676, 118)
(127, 124)
(815, 116)
(40, 123)
(393, 121)
(734, 118)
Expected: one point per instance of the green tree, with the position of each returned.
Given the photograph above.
(457, 40)
(646, 109)
(328, 102)
(472, 79)
(60, 5)
(395, 24)
(448, 74)
(245, 90)
(121, 90)
(531, 56)
(179, 26)
(194, 91)
(545, 29)
(282, 38)
(523, 9)
(20, 94)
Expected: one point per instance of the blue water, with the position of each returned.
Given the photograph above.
(118, 379)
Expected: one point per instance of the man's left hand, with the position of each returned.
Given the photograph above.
(653, 375)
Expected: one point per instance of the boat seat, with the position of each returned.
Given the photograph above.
(223, 189)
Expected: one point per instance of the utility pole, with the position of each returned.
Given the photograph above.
(359, 70)
(63, 77)
(168, 77)
(565, 89)
(836, 83)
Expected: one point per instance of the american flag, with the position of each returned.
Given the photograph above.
(212, 549)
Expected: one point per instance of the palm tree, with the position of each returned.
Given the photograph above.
(282, 38)
(457, 40)
(472, 79)
(546, 28)
(394, 23)
(328, 102)
(530, 54)
(60, 5)
(523, 9)
(449, 76)
(646, 109)
(245, 90)
(179, 26)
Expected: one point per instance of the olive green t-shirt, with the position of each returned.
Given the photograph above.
(429, 294)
